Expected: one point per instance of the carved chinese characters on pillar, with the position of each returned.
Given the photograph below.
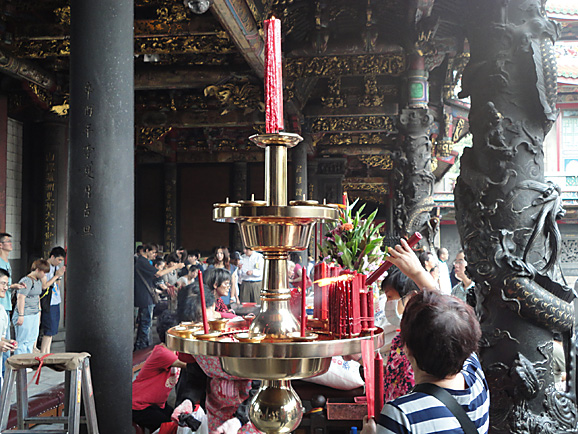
(89, 151)
(299, 181)
(49, 226)
(170, 228)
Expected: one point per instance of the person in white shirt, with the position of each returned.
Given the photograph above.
(445, 282)
(51, 298)
(251, 274)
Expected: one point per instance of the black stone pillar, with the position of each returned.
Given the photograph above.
(413, 177)
(54, 137)
(300, 190)
(239, 193)
(101, 203)
(170, 233)
(506, 214)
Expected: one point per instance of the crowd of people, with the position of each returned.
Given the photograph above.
(31, 306)
(431, 328)
(425, 310)
(174, 278)
(433, 337)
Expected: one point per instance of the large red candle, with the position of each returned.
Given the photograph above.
(273, 77)
(303, 301)
(203, 303)
(379, 382)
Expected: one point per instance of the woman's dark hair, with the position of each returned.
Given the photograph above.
(216, 277)
(4, 272)
(440, 332)
(158, 260)
(226, 256)
(396, 279)
(184, 254)
(399, 282)
(171, 257)
(190, 307)
(165, 321)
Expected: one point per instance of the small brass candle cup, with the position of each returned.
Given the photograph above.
(250, 337)
(218, 325)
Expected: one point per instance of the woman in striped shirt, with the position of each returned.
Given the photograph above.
(440, 334)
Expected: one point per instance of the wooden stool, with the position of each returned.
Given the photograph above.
(79, 367)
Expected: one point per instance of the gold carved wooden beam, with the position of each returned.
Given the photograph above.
(352, 124)
(160, 77)
(373, 185)
(384, 162)
(237, 19)
(26, 70)
(334, 66)
(40, 49)
(197, 119)
(346, 139)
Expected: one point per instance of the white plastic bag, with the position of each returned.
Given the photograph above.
(342, 375)
(200, 415)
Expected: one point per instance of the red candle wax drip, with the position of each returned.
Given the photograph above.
(273, 77)
(203, 304)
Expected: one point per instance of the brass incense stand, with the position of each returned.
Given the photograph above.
(272, 350)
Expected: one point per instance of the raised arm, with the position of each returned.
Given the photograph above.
(406, 260)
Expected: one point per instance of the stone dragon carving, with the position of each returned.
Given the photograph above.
(506, 214)
(413, 177)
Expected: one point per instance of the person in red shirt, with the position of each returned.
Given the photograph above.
(155, 381)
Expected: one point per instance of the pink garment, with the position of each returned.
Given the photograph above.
(225, 394)
(397, 372)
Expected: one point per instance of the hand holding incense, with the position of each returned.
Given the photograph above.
(413, 240)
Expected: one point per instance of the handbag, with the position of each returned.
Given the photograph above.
(450, 402)
(152, 291)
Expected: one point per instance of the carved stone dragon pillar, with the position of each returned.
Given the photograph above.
(413, 177)
(506, 214)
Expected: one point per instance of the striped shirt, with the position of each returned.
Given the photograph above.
(420, 413)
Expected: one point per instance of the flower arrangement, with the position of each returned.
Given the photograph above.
(354, 241)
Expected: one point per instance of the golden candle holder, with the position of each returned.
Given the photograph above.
(273, 349)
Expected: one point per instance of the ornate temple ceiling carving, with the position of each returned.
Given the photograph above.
(337, 66)
(343, 65)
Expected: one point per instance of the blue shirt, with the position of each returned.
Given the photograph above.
(420, 413)
(7, 300)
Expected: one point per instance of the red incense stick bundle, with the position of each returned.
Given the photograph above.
(413, 240)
